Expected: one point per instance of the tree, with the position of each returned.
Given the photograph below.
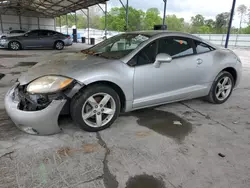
(210, 23)
(205, 29)
(197, 22)
(116, 19)
(174, 23)
(221, 22)
(242, 10)
(152, 18)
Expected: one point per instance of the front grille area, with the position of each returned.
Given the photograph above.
(30, 102)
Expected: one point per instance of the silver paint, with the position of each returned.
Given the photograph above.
(147, 85)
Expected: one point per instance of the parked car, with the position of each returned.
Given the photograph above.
(37, 39)
(12, 33)
(123, 73)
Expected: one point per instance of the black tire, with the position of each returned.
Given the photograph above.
(212, 94)
(14, 45)
(59, 45)
(79, 100)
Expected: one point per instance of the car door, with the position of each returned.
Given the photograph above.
(46, 38)
(170, 81)
(31, 39)
(205, 62)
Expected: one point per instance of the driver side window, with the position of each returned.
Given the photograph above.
(147, 55)
(33, 33)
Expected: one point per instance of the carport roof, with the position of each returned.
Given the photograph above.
(44, 8)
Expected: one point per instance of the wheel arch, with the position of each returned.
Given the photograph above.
(112, 85)
(232, 71)
(59, 40)
(21, 46)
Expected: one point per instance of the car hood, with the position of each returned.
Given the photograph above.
(65, 64)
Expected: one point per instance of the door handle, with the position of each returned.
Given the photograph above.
(199, 61)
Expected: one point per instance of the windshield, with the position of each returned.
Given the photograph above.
(118, 46)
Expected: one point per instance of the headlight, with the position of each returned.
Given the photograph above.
(48, 84)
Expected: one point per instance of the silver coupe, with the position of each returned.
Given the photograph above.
(123, 73)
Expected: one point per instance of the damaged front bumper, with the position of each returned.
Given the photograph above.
(40, 122)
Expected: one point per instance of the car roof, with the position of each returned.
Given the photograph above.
(155, 33)
(152, 33)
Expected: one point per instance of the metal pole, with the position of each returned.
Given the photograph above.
(106, 19)
(67, 24)
(230, 23)
(126, 27)
(164, 14)
(20, 22)
(60, 24)
(88, 26)
(1, 22)
(38, 22)
(55, 24)
(75, 20)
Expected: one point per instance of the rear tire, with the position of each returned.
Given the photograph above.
(222, 88)
(95, 108)
(14, 45)
(59, 45)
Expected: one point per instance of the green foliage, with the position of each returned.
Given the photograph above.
(140, 20)
(174, 23)
(152, 18)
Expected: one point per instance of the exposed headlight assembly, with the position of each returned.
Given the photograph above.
(48, 84)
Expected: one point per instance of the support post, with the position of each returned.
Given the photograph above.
(126, 27)
(55, 23)
(88, 27)
(75, 20)
(20, 22)
(67, 24)
(1, 22)
(38, 22)
(164, 14)
(60, 24)
(106, 19)
(230, 23)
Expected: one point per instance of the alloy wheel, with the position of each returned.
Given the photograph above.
(14, 45)
(98, 110)
(223, 88)
(59, 45)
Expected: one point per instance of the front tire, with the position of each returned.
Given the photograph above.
(14, 45)
(59, 45)
(95, 108)
(222, 88)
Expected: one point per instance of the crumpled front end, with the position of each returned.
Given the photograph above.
(35, 114)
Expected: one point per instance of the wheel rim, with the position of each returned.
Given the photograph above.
(14, 45)
(98, 110)
(223, 88)
(59, 45)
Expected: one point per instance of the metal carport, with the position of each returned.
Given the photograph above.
(55, 8)
(42, 8)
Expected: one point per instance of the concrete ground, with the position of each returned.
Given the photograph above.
(190, 144)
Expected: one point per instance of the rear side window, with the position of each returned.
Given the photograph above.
(202, 47)
(175, 46)
(43, 33)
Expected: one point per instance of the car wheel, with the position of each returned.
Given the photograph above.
(14, 45)
(95, 108)
(59, 45)
(222, 88)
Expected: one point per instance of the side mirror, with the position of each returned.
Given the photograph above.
(162, 58)
(26, 35)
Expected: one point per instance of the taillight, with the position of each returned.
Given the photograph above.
(68, 36)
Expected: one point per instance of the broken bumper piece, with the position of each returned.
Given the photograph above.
(40, 122)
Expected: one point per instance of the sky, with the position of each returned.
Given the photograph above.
(187, 8)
